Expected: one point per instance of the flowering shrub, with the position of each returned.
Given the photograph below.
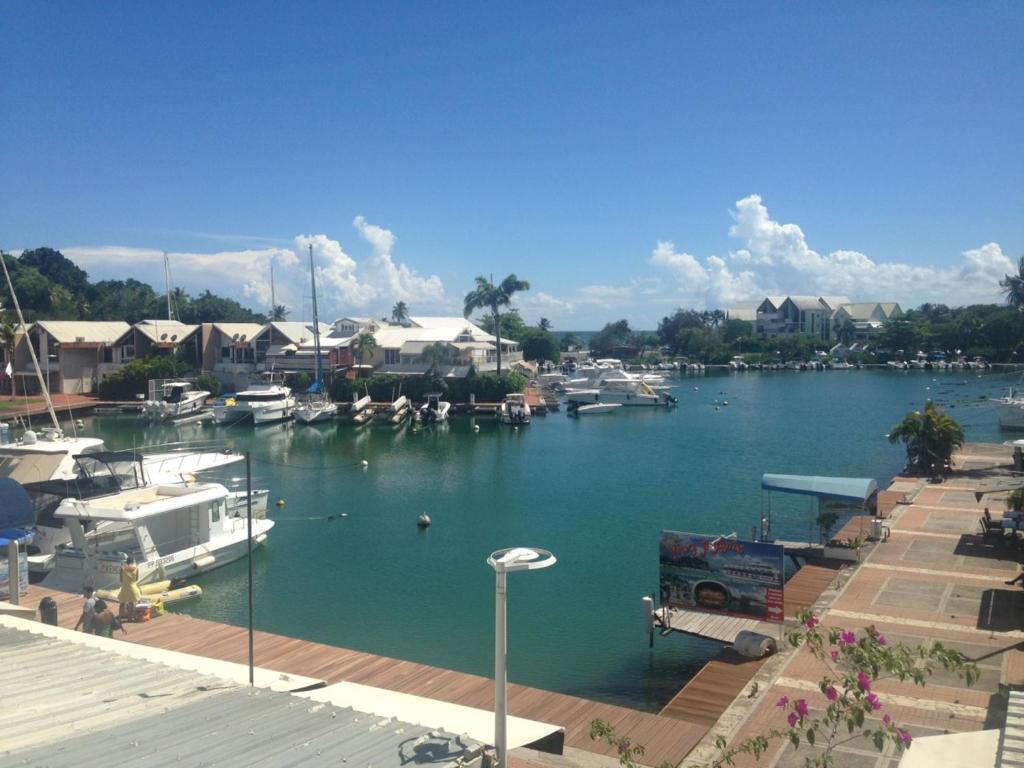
(855, 663)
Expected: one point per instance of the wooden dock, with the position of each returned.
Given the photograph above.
(665, 738)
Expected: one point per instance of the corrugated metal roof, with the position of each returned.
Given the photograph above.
(85, 331)
(248, 330)
(1011, 741)
(69, 705)
(165, 331)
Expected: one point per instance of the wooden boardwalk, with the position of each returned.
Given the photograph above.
(666, 738)
(706, 697)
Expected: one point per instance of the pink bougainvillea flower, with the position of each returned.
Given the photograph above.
(905, 737)
(783, 702)
(801, 707)
(811, 623)
(863, 681)
(881, 640)
(887, 720)
(847, 638)
(874, 702)
(835, 655)
(831, 693)
(792, 719)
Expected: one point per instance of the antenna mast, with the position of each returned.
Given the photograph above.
(273, 301)
(316, 320)
(167, 280)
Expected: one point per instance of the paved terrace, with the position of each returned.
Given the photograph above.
(935, 579)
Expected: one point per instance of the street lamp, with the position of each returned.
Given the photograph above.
(506, 561)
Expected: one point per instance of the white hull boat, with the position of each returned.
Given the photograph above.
(316, 411)
(514, 410)
(594, 408)
(171, 531)
(179, 399)
(1011, 411)
(434, 411)
(263, 405)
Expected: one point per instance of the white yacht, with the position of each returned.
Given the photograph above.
(514, 409)
(172, 531)
(435, 410)
(264, 403)
(620, 387)
(177, 399)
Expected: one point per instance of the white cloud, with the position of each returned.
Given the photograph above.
(776, 258)
(344, 284)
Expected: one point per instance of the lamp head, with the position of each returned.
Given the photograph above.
(520, 559)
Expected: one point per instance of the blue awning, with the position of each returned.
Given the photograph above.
(855, 488)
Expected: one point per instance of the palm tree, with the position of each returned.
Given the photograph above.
(364, 346)
(544, 324)
(279, 313)
(1013, 286)
(400, 313)
(846, 332)
(930, 437)
(435, 354)
(486, 295)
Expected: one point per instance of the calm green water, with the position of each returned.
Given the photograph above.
(596, 491)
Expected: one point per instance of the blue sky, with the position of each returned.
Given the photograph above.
(625, 159)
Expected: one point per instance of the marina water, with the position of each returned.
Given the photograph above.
(595, 490)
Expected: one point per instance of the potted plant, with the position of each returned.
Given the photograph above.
(844, 549)
(1015, 501)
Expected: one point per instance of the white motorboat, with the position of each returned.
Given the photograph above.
(435, 410)
(620, 387)
(1011, 410)
(263, 403)
(395, 413)
(593, 408)
(177, 399)
(317, 405)
(514, 410)
(172, 531)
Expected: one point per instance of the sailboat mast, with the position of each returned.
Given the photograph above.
(35, 361)
(316, 320)
(167, 281)
(273, 299)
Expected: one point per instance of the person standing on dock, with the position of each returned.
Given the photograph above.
(130, 594)
(88, 611)
(105, 622)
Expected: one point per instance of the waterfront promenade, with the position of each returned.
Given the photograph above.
(935, 580)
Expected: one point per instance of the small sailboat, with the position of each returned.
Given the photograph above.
(317, 405)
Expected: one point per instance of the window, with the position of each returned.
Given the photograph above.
(108, 354)
(128, 352)
(225, 352)
(391, 356)
(215, 512)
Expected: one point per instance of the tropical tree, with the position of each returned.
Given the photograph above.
(486, 295)
(569, 341)
(930, 436)
(363, 347)
(400, 313)
(279, 313)
(846, 332)
(1013, 287)
(544, 324)
(435, 354)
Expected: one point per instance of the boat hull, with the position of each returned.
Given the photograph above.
(1011, 414)
(316, 414)
(620, 398)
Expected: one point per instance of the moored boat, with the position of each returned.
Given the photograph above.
(514, 409)
(593, 408)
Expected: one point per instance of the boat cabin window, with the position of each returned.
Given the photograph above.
(258, 397)
(215, 512)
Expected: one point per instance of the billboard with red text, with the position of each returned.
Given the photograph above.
(725, 576)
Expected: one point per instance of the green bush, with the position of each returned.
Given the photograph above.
(208, 383)
(133, 378)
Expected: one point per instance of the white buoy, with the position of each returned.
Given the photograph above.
(364, 463)
(79, 423)
(344, 514)
(476, 427)
(423, 521)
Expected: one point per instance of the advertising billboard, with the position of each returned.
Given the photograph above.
(713, 574)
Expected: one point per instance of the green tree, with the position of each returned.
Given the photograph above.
(669, 327)
(486, 295)
(363, 347)
(539, 344)
(400, 313)
(435, 354)
(1013, 287)
(544, 324)
(512, 324)
(569, 341)
(610, 337)
(279, 313)
(931, 437)
(57, 268)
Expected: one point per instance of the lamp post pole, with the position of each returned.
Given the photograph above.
(503, 562)
(248, 559)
